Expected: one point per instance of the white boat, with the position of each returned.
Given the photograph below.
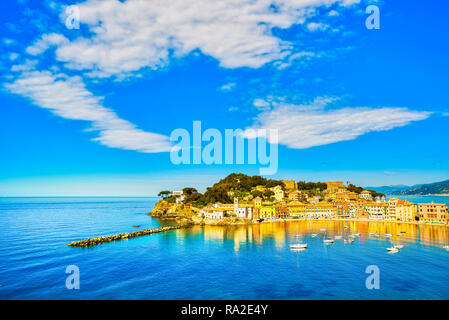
(298, 246)
(349, 240)
(338, 237)
(373, 234)
(356, 234)
(388, 235)
(314, 235)
(328, 241)
(446, 247)
(323, 229)
(398, 246)
(392, 250)
(399, 234)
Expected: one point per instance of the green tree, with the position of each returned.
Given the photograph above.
(189, 190)
(257, 193)
(164, 194)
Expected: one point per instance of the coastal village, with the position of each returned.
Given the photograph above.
(331, 200)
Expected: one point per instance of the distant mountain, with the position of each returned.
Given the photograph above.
(432, 188)
(391, 189)
(422, 189)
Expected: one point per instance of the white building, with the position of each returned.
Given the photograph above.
(377, 211)
(179, 195)
(243, 211)
(213, 213)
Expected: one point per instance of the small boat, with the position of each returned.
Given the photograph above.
(356, 234)
(298, 246)
(338, 237)
(346, 227)
(446, 247)
(392, 250)
(314, 235)
(399, 234)
(349, 240)
(328, 241)
(388, 235)
(323, 229)
(398, 246)
(373, 234)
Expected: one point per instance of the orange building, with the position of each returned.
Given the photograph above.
(433, 212)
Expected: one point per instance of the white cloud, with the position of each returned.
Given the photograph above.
(13, 56)
(333, 13)
(135, 34)
(45, 42)
(261, 104)
(68, 98)
(228, 87)
(305, 126)
(314, 26)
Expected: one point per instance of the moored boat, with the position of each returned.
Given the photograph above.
(398, 246)
(298, 246)
(328, 241)
(392, 250)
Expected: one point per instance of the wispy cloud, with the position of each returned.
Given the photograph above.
(317, 26)
(228, 87)
(128, 36)
(309, 125)
(68, 98)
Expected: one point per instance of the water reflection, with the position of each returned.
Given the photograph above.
(282, 232)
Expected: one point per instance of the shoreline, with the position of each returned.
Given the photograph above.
(358, 220)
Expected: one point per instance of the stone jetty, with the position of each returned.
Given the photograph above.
(123, 236)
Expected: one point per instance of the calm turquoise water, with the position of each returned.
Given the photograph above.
(249, 262)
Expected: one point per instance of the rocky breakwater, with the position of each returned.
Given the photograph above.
(123, 236)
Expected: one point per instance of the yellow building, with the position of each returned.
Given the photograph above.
(335, 185)
(267, 212)
(278, 193)
(295, 195)
(433, 212)
(289, 184)
(346, 196)
(406, 211)
(257, 202)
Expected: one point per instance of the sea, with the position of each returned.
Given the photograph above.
(210, 262)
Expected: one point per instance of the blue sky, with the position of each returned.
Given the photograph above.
(89, 111)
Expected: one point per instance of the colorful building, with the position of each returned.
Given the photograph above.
(377, 211)
(281, 211)
(278, 193)
(433, 212)
(289, 184)
(267, 212)
(406, 211)
(365, 194)
(295, 195)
